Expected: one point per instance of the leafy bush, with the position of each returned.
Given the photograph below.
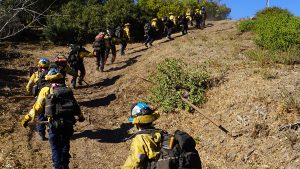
(272, 11)
(246, 25)
(277, 32)
(174, 79)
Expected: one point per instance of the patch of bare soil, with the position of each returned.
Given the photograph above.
(247, 99)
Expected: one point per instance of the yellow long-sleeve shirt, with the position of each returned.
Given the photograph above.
(32, 81)
(143, 147)
(83, 54)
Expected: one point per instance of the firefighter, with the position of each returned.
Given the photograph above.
(60, 108)
(110, 45)
(36, 83)
(144, 146)
(75, 60)
(99, 46)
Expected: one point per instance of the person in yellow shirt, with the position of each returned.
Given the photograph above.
(36, 83)
(75, 60)
(144, 147)
(110, 45)
(60, 109)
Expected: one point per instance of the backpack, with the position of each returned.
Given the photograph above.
(119, 32)
(40, 83)
(99, 43)
(61, 105)
(177, 151)
(73, 58)
(147, 28)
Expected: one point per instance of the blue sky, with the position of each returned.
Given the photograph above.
(244, 8)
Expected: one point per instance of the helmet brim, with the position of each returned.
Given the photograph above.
(145, 119)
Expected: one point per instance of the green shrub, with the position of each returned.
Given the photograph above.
(272, 11)
(174, 79)
(277, 32)
(246, 25)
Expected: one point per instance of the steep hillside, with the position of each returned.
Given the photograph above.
(250, 100)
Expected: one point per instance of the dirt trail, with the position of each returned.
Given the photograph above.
(244, 100)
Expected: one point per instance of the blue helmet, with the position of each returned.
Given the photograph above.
(142, 113)
(53, 71)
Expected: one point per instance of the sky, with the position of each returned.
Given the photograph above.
(248, 8)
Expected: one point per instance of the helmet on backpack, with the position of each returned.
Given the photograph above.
(53, 75)
(43, 63)
(127, 24)
(141, 113)
(60, 61)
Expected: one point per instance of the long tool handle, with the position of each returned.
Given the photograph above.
(86, 83)
(196, 108)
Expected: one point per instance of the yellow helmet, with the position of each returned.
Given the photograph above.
(43, 63)
(141, 113)
(127, 24)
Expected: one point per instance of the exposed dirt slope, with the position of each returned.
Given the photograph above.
(248, 100)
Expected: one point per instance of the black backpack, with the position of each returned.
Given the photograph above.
(119, 32)
(61, 105)
(73, 58)
(99, 43)
(177, 151)
(40, 83)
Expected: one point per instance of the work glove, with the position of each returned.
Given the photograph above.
(25, 121)
(81, 119)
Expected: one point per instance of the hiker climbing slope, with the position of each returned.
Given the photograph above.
(99, 46)
(75, 60)
(110, 45)
(36, 83)
(60, 109)
(156, 149)
(148, 30)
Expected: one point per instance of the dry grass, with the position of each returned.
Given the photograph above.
(248, 101)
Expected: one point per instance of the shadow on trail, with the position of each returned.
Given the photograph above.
(9, 55)
(136, 51)
(106, 135)
(166, 41)
(11, 79)
(128, 62)
(104, 83)
(99, 102)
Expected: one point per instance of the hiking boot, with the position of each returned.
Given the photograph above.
(146, 45)
(80, 82)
